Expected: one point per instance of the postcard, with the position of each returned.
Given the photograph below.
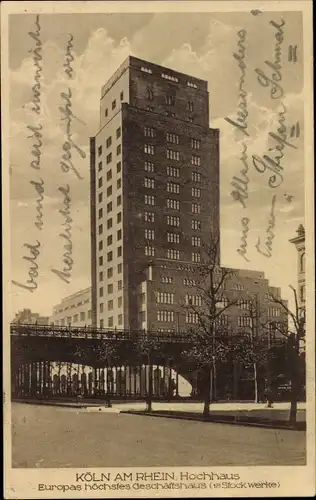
(158, 250)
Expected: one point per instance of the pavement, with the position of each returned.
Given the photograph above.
(48, 436)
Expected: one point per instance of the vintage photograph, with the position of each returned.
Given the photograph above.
(157, 225)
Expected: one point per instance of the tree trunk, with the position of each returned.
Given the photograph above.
(207, 393)
(255, 379)
(150, 389)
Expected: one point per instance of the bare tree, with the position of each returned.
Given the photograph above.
(295, 334)
(206, 313)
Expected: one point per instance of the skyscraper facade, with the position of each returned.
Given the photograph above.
(154, 195)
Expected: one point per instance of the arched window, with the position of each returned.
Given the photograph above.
(302, 263)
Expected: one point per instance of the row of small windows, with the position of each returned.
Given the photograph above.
(189, 282)
(110, 256)
(172, 254)
(173, 187)
(166, 279)
(165, 316)
(110, 289)
(111, 321)
(165, 298)
(82, 316)
(110, 272)
(173, 204)
(244, 321)
(59, 311)
(171, 154)
(193, 300)
(109, 172)
(173, 171)
(274, 311)
(173, 237)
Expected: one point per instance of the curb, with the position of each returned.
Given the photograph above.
(217, 420)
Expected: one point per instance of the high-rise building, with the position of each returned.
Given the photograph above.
(299, 242)
(154, 193)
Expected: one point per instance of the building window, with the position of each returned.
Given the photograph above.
(193, 300)
(119, 200)
(119, 302)
(119, 285)
(196, 208)
(149, 251)
(109, 175)
(149, 132)
(110, 272)
(172, 138)
(75, 318)
(100, 150)
(149, 200)
(149, 183)
(119, 252)
(170, 100)
(196, 225)
(100, 215)
(190, 106)
(149, 166)
(100, 228)
(101, 307)
(222, 320)
(109, 207)
(119, 183)
(101, 260)
(119, 234)
(101, 276)
(192, 318)
(165, 298)
(196, 192)
(244, 304)
(100, 197)
(119, 217)
(302, 263)
(173, 204)
(110, 288)
(110, 256)
(166, 279)
(149, 234)
(101, 245)
(173, 187)
(110, 322)
(100, 182)
(119, 268)
(173, 221)
(118, 150)
(238, 286)
(110, 305)
(173, 254)
(109, 158)
(149, 149)
(149, 217)
(122, 96)
(195, 160)
(119, 167)
(109, 191)
(106, 112)
(100, 166)
(89, 314)
(101, 291)
(109, 223)
(114, 104)
(173, 237)
(189, 282)
(244, 321)
(149, 92)
(196, 241)
(274, 311)
(190, 119)
(191, 84)
(173, 155)
(109, 142)
(173, 171)
(196, 257)
(196, 177)
(165, 316)
(109, 240)
(195, 144)
(118, 132)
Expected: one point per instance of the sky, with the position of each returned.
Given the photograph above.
(202, 45)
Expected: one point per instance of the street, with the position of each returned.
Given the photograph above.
(46, 436)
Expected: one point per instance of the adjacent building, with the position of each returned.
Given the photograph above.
(27, 317)
(299, 242)
(73, 310)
